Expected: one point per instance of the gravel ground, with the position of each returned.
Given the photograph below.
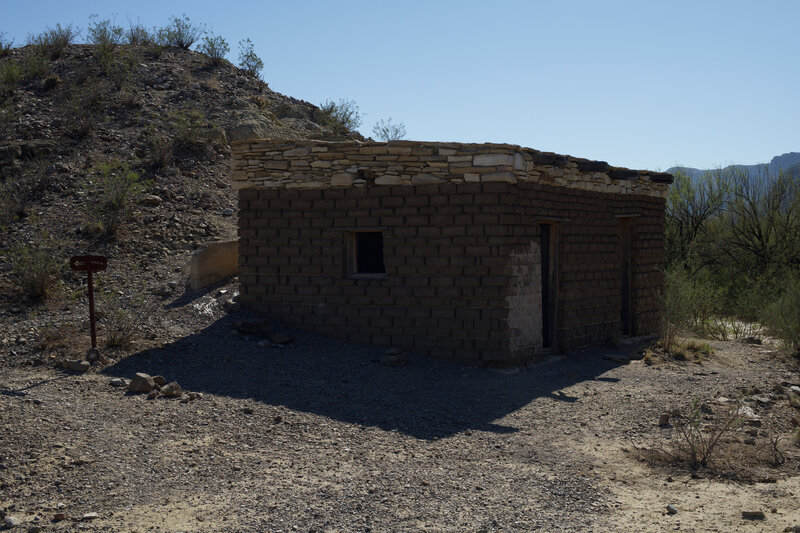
(317, 435)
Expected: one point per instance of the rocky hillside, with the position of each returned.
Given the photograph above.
(128, 159)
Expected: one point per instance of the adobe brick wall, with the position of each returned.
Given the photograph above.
(460, 259)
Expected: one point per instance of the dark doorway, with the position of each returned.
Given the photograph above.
(625, 275)
(549, 249)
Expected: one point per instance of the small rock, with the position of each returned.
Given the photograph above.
(751, 340)
(753, 515)
(151, 200)
(173, 390)
(77, 366)
(117, 382)
(247, 410)
(392, 360)
(671, 509)
(279, 338)
(663, 420)
(747, 413)
(152, 395)
(227, 212)
(795, 388)
(10, 522)
(159, 380)
(90, 516)
(638, 355)
(58, 517)
(792, 529)
(141, 382)
(195, 395)
(750, 441)
(35, 529)
(763, 400)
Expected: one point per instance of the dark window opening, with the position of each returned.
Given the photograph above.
(366, 252)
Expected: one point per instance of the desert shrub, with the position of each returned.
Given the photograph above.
(696, 442)
(10, 77)
(215, 47)
(160, 151)
(386, 130)
(38, 268)
(19, 189)
(191, 132)
(104, 34)
(83, 111)
(5, 45)
(675, 307)
(137, 34)
(706, 305)
(35, 67)
(50, 82)
(120, 70)
(53, 41)
(248, 60)
(180, 33)
(119, 187)
(155, 50)
(343, 116)
(124, 317)
(782, 316)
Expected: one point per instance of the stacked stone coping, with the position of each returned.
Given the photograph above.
(309, 164)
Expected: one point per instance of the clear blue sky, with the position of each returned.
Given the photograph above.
(643, 84)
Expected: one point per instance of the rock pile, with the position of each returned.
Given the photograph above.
(157, 387)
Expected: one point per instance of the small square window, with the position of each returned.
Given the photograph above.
(365, 252)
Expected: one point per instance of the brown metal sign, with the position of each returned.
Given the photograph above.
(91, 263)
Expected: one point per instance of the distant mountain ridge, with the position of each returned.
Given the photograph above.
(788, 163)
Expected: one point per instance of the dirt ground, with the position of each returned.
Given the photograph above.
(318, 435)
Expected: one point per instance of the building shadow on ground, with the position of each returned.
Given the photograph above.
(426, 398)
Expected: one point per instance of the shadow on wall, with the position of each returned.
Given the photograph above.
(425, 399)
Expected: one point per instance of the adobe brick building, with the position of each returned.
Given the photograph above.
(484, 253)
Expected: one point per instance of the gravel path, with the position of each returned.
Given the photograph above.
(319, 436)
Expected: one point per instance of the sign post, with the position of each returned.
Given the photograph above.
(89, 264)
